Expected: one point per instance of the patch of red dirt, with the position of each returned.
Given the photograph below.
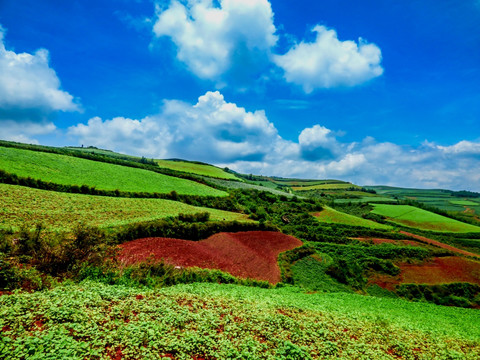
(440, 270)
(250, 254)
(440, 244)
(390, 241)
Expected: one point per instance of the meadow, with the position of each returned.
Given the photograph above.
(415, 217)
(68, 170)
(334, 186)
(196, 168)
(62, 211)
(211, 321)
(329, 216)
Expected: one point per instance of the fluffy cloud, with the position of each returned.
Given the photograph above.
(211, 40)
(211, 130)
(216, 131)
(328, 62)
(28, 82)
(29, 93)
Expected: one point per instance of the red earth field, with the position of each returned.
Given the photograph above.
(440, 270)
(251, 254)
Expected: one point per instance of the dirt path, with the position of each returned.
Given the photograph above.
(440, 244)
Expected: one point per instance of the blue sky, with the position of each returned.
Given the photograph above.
(373, 92)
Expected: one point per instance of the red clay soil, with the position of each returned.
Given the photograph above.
(251, 254)
(390, 241)
(440, 244)
(440, 270)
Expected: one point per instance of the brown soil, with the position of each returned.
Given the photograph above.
(440, 244)
(251, 254)
(440, 270)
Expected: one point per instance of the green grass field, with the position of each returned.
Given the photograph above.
(212, 321)
(341, 186)
(465, 203)
(366, 199)
(195, 168)
(68, 170)
(62, 211)
(421, 219)
(329, 215)
(300, 182)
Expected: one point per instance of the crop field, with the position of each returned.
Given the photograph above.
(341, 186)
(195, 168)
(422, 219)
(68, 170)
(243, 185)
(299, 182)
(62, 211)
(251, 254)
(329, 215)
(366, 199)
(465, 203)
(103, 152)
(211, 321)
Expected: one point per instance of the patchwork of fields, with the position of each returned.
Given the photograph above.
(62, 211)
(422, 219)
(332, 216)
(68, 170)
(196, 168)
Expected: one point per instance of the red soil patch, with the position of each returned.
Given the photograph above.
(251, 254)
(440, 270)
(390, 241)
(440, 244)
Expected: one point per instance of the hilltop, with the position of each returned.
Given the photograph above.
(230, 260)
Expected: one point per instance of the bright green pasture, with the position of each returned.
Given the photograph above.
(326, 187)
(69, 170)
(62, 211)
(465, 203)
(195, 168)
(212, 321)
(329, 215)
(366, 199)
(414, 217)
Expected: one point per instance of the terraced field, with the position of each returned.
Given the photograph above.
(62, 211)
(329, 215)
(414, 217)
(196, 168)
(341, 186)
(68, 170)
(211, 321)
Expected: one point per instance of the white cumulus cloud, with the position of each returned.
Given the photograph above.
(328, 62)
(211, 39)
(28, 82)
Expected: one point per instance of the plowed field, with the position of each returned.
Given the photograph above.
(251, 254)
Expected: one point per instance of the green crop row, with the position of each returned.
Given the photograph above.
(211, 321)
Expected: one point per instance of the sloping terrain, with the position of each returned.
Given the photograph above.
(329, 215)
(250, 254)
(196, 168)
(69, 170)
(62, 211)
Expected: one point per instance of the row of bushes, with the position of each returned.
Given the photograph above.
(454, 294)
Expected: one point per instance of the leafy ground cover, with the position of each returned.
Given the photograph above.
(418, 218)
(366, 199)
(465, 203)
(196, 168)
(329, 215)
(251, 254)
(62, 211)
(335, 186)
(211, 321)
(68, 170)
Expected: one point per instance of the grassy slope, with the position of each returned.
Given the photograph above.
(422, 219)
(69, 170)
(329, 215)
(326, 187)
(61, 211)
(91, 320)
(195, 168)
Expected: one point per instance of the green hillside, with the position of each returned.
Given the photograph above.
(211, 321)
(68, 170)
(196, 168)
(421, 219)
(329, 216)
(63, 211)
